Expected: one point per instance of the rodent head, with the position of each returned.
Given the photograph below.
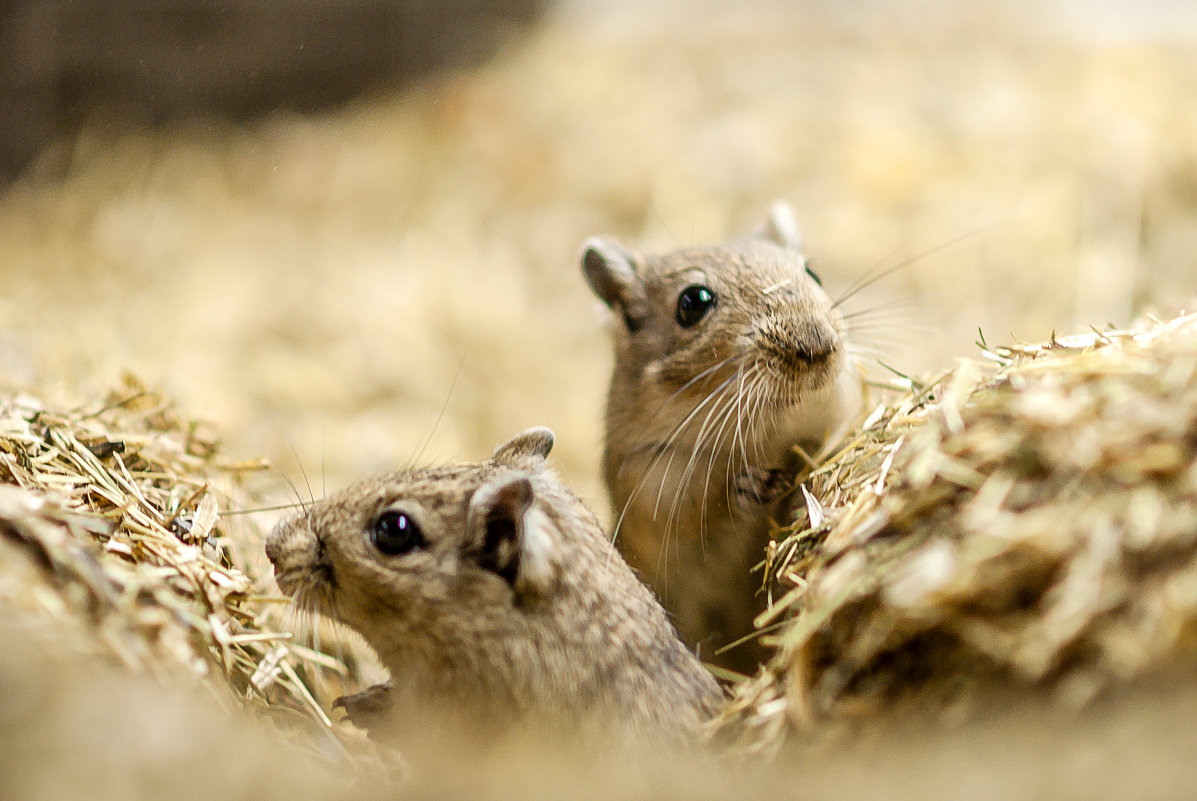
(693, 318)
(425, 555)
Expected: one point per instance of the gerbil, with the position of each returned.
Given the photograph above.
(726, 358)
(494, 598)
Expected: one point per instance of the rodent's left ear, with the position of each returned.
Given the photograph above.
(613, 275)
(510, 536)
(781, 227)
(536, 441)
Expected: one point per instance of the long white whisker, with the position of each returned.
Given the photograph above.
(718, 412)
(873, 276)
(661, 450)
(714, 395)
(731, 410)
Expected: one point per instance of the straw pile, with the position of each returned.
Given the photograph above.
(112, 536)
(1029, 525)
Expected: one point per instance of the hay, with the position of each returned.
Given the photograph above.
(1030, 524)
(1027, 525)
(112, 532)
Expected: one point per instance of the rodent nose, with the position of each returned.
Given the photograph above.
(795, 348)
(815, 343)
(274, 544)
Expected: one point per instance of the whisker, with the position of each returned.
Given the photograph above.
(713, 368)
(302, 472)
(763, 400)
(737, 429)
(294, 489)
(661, 450)
(324, 461)
(280, 508)
(880, 341)
(426, 441)
(902, 332)
(717, 449)
(869, 278)
(887, 312)
(717, 412)
(716, 436)
(899, 321)
(713, 395)
(869, 350)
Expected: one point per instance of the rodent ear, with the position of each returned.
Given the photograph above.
(781, 228)
(511, 538)
(610, 269)
(536, 441)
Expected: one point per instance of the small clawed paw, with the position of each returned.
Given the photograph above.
(367, 709)
(758, 486)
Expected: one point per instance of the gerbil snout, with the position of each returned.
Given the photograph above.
(296, 554)
(815, 342)
(274, 544)
(801, 350)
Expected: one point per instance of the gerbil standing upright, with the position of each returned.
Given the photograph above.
(726, 358)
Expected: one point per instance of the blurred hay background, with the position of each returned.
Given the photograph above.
(324, 285)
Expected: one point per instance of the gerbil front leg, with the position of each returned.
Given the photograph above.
(756, 485)
(368, 709)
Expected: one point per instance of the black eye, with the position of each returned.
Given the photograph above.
(814, 276)
(395, 533)
(693, 304)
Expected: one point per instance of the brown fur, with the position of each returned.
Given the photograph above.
(550, 627)
(702, 420)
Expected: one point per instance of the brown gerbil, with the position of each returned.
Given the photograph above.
(726, 358)
(496, 601)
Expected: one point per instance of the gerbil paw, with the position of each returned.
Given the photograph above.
(367, 709)
(758, 486)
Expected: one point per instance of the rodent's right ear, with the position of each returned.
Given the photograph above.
(610, 269)
(781, 227)
(510, 537)
(535, 441)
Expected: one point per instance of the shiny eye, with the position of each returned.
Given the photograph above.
(395, 533)
(693, 304)
(814, 276)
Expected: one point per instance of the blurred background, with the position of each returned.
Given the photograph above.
(346, 232)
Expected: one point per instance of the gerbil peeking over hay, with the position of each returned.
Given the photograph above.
(1026, 526)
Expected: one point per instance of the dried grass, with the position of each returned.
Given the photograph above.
(113, 532)
(1029, 524)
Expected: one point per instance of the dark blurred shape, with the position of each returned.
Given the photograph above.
(155, 60)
